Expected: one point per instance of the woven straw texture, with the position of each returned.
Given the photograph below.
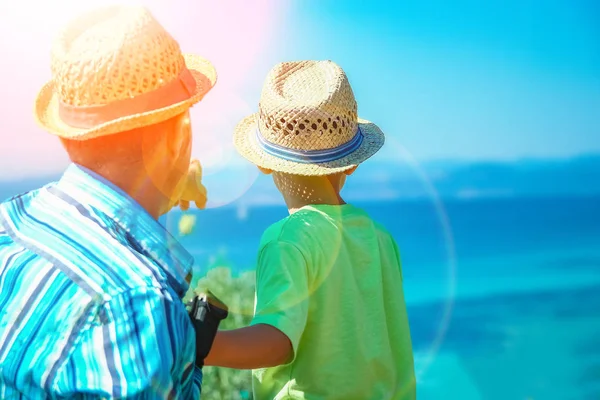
(111, 55)
(307, 105)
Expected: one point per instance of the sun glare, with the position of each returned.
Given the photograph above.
(233, 35)
(38, 16)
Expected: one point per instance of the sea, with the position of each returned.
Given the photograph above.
(503, 294)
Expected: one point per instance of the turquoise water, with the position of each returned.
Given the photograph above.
(504, 303)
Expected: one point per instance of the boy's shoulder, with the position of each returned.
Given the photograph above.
(322, 223)
(381, 229)
(292, 229)
(272, 232)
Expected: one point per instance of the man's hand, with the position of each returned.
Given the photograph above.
(194, 191)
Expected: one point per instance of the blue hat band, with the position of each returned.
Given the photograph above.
(310, 156)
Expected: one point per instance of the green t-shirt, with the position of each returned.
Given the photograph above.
(330, 279)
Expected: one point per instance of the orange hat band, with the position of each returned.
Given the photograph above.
(175, 91)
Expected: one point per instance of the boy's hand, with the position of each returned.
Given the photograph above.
(194, 190)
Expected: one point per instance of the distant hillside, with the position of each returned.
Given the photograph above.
(458, 179)
(578, 176)
(570, 177)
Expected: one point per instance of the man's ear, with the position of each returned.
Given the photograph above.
(180, 134)
(351, 170)
(265, 171)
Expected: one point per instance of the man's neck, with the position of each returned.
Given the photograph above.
(141, 189)
(150, 199)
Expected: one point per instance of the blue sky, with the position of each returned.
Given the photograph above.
(465, 79)
(462, 79)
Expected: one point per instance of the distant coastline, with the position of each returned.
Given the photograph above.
(449, 179)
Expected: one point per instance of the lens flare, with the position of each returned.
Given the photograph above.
(399, 152)
(235, 36)
(226, 175)
(186, 224)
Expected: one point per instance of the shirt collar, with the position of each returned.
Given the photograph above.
(89, 188)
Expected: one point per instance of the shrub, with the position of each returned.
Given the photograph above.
(238, 293)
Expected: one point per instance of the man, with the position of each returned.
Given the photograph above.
(90, 282)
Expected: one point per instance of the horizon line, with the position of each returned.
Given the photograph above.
(434, 160)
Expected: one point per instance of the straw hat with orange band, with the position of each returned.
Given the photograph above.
(117, 69)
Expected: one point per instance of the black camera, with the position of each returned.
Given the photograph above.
(206, 312)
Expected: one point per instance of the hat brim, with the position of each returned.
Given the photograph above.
(47, 104)
(247, 145)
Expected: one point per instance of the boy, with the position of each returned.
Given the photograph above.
(330, 319)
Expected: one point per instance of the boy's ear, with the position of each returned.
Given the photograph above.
(265, 171)
(350, 171)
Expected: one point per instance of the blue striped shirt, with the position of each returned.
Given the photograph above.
(90, 297)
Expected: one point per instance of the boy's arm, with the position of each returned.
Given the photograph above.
(257, 346)
(279, 318)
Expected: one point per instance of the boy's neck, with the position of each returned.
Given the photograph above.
(294, 204)
(300, 191)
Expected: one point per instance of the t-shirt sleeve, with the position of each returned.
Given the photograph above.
(282, 290)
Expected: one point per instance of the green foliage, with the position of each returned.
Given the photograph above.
(238, 293)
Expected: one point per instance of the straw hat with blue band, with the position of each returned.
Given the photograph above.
(115, 69)
(307, 122)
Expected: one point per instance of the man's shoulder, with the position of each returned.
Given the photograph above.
(13, 253)
(89, 249)
(12, 211)
(25, 253)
